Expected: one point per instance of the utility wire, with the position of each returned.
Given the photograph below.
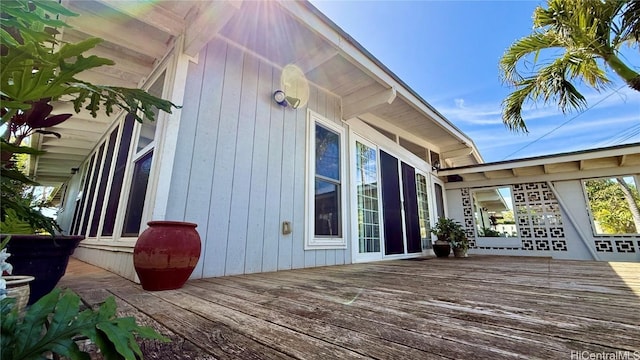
(621, 136)
(565, 123)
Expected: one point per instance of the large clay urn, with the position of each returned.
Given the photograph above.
(166, 254)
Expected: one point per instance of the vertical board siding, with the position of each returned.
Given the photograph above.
(299, 196)
(285, 244)
(274, 175)
(224, 153)
(240, 191)
(203, 159)
(257, 195)
(310, 256)
(179, 186)
(244, 171)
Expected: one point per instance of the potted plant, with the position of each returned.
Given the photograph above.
(37, 71)
(446, 230)
(12, 286)
(459, 243)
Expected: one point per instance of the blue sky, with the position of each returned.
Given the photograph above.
(448, 51)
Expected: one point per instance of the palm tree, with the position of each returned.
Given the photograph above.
(591, 33)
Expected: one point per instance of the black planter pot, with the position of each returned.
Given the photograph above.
(43, 257)
(442, 248)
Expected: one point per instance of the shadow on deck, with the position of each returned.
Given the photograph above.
(483, 307)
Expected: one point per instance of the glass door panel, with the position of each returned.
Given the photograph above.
(367, 199)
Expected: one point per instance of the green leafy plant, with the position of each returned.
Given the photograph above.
(36, 70)
(12, 224)
(573, 42)
(447, 229)
(459, 240)
(55, 322)
(488, 232)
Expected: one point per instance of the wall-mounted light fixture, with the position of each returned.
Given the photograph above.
(435, 166)
(283, 100)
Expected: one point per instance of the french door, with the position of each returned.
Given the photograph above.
(391, 204)
(400, 206)
(368, 216)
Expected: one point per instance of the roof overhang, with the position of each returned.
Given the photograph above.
(571, 165)
(138, 35)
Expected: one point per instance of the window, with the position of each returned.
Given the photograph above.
(613, 204)
(138, 192)
(118, 177)
(367, 199)
(422, 193)
(493, 212)
(142, 165)
(325, 218)
(106, 170)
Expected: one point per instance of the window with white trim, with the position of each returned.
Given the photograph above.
(325, 184)
(142, 165)
(613, 204)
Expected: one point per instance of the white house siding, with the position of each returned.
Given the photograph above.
(574, 239)
(239, 169)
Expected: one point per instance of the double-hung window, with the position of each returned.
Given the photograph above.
(325, 184)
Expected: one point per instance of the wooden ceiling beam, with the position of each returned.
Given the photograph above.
(351, 108)
(207, 19)
(622, 160)
(456, 153)
(315, 59)
(129, 38)
(156, 16)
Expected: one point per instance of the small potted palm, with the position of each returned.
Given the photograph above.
(447, 230)
(459, 243)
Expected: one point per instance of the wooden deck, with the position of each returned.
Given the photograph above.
(482, 307)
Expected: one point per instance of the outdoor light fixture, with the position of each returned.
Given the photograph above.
(435, 166)
(283, 100)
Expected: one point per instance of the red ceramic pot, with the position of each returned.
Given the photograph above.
(166, 254)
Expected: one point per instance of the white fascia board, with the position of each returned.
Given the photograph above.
(572, 175)
(357, 55)
(543, 160)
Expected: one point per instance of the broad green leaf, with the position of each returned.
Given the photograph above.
(34, 319)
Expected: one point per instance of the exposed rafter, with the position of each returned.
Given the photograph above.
(157, 17)
(456, 153)
(316, 58)
(622, 160)
(133, 40)
(207, 19)
(352, 108)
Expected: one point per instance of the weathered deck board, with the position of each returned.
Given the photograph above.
(483, 307)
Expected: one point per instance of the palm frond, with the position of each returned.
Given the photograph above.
(522, 48)
(631, 21)
(512, 106)
(589, 32)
